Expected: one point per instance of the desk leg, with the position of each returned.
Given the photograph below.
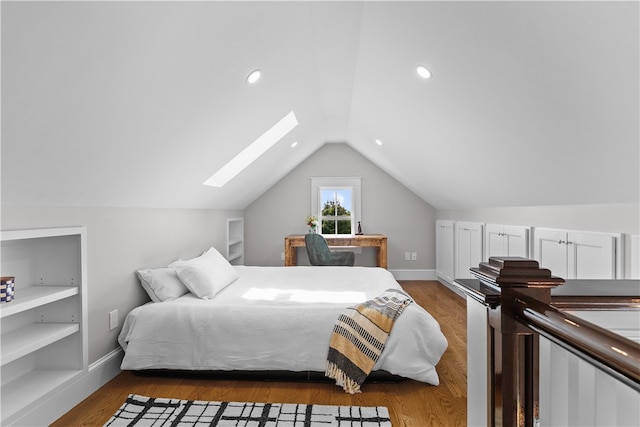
(382, 256)
(289, 255)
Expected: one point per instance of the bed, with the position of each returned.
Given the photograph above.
(274, 319)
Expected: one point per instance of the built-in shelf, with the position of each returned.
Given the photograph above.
(235, 240)
(32, 387)
(233, 257)
(43, 346)
(28, 339)
(35, 296)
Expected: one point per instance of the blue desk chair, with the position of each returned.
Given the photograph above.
(320, 254)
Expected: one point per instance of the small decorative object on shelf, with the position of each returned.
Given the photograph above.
(7, 290)
(359, 229)
(312, 222)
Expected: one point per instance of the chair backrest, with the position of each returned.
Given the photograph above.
(317, 249)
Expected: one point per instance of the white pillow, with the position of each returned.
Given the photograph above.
(205, 275)
(161, 284)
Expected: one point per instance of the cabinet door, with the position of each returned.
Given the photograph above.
(444, 250)
(495, 242)
(591, 256)
(516, 241)
(551, 251)
(634, 258)
(439, 249)
(475, 240)
(468, 248)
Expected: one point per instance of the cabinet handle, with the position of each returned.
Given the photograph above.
(561, 242)
(569, 243)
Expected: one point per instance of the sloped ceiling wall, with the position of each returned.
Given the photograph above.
(138, 103)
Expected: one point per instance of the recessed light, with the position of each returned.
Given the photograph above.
(293, 144)
(423, 72)
(254, 76)
(378, 142)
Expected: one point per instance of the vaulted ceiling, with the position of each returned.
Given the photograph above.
(138, 103)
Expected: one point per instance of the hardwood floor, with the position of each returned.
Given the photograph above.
(410, 403)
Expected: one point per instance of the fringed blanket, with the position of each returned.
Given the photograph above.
(359, 336)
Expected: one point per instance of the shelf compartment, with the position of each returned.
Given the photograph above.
(234, 256)
(22, 341)
(21, 392)
(36, 296)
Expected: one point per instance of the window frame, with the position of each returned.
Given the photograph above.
(337, 183)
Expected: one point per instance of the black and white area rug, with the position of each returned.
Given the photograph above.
(141, 411)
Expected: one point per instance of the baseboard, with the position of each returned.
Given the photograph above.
(414, 274)
(452, 287)
(98, 374)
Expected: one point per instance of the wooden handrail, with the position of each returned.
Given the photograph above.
(618, 356)
(518, 297)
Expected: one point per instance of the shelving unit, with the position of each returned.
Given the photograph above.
(44, 332)
(235, 240)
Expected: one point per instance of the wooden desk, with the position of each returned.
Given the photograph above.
(379, 241)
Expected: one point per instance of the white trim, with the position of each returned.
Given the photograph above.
(452, 288)
(99, 373)
(414, 274)
(108, 358)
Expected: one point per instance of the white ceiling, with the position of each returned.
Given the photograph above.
(138, 103)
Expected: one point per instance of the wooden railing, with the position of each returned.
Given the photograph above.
(520, 311)
(616, 355)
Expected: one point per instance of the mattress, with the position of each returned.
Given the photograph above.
(276, 319)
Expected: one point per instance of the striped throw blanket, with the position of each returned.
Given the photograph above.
(359, 336)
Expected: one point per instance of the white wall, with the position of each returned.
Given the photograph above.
(119, 242)
(388, 208)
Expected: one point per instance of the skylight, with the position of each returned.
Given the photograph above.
(253, 151)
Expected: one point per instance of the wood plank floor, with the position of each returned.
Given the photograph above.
(410, 403)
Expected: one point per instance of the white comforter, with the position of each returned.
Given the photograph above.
(276, 318)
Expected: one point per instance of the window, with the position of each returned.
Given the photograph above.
(336, 203)
(336, 214)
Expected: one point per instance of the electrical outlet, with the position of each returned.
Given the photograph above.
(407, 256)
(113, 320)
(414, 256)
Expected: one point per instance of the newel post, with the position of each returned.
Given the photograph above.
(515, 356)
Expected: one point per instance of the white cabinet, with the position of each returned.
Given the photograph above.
(444, 250)
(633, 257)
(506, 240)
(468, 247)
(44, 329)
(235, 240)
(578, 255)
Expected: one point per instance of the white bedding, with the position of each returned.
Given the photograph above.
(276, 318)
